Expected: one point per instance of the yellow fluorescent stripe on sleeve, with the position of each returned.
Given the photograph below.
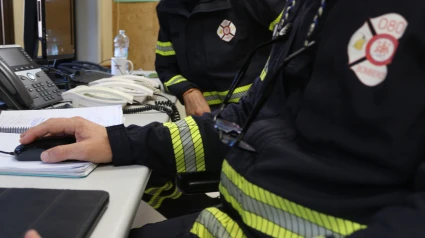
(177, 146)
(179, 81)
(174, 80)
(224, 93)
(156, 204)
(164, 44)
(200, 230)
(158, 190)
(214, 98)
(265, 70)
(166, 53)
(165, 48)
(276, 21)
(197, 143)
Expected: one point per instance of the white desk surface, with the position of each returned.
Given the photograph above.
(125, 185)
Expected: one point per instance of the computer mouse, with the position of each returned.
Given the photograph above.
(32, 152)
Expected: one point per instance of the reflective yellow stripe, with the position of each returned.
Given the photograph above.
(165, 53)
(212, 222)
(187, 145)
(164, 44)
(265, 70)
(174, 80)
(197, 143)
(177, 145)
(214, 98)
(275, 22)
(157, 190)
(165, 48)
(157, 201)
(257, 222)
(200, 230)
(276, 216)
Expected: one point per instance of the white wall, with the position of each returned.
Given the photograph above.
(94, 29)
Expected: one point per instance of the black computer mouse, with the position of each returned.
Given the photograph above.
(32, 152)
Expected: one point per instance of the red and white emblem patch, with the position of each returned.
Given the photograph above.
(226, 31)
(373, 47)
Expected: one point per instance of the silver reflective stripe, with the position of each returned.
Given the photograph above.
(281, 218)
(212, 224)
(164, 48)
(188, 147)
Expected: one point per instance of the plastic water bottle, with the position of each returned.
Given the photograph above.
(121, 44)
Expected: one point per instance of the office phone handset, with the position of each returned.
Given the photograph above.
(146, 82)
(23, 85)
(84, 96)
(139, 92)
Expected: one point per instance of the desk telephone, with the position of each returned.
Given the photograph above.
(23, 85)
(122, 90)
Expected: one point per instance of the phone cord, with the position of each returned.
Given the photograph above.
(175, 112)
(162, 106)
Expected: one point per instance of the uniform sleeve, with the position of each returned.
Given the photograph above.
(189, 145)
(273, 8)
(166, 63)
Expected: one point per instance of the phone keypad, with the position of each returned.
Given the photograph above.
(43, 91)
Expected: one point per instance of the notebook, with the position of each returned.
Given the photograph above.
(14, 122)
(20, 121)
(10, 166)
(53, 213)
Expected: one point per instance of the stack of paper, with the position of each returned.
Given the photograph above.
(9, 165)
(20, 121)
(106, 116)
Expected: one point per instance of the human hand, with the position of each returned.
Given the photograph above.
(32, 234)
(92, 140)
(195, 103)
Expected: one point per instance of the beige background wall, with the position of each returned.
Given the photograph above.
(18, 17)
(140, 23)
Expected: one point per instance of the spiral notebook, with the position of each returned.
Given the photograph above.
(14, 122)
(20, 121)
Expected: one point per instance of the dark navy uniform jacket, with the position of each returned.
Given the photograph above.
(202, 44)
(340, 141)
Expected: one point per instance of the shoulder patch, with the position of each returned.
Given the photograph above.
(373, 46)
(226, 31)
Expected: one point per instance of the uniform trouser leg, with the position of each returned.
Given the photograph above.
(176, 227)
(163, 195)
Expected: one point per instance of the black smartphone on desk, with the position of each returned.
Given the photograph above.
(23, 84)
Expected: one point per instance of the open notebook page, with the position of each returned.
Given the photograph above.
(9, 165)
(105, 116)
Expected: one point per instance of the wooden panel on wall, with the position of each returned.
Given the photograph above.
(140, 23)
(18, 15)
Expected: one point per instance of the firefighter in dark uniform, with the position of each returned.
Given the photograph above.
(203, 43)
(339, 142)
(201, 46)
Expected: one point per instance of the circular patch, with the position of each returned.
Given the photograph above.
(381, 49)
(226, 31)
